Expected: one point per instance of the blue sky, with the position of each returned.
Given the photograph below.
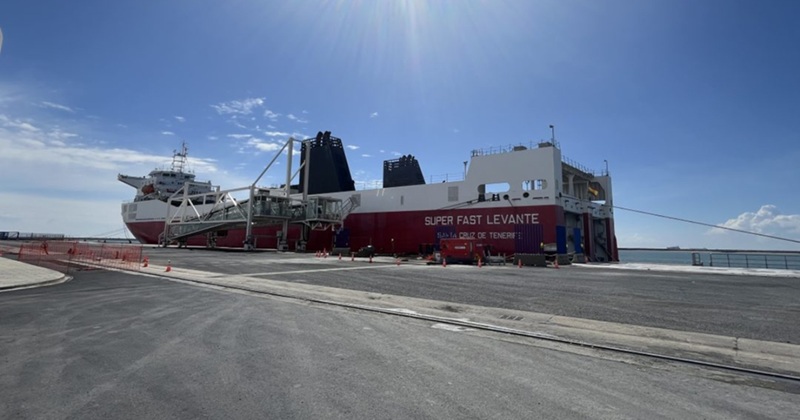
(695, 104)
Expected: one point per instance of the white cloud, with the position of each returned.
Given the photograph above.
(397, 154)
(213, 137)
(59, 107)
(366, 155)
(239, 136)
(168, 133)
(294, 118)
(34, 213)
(17, 124)
(59, 134)
(766, 220)
(276, 133)
(374, 115)
(80, 179)
(352, 147)
(271, 115)
(264, 146)
(242, 107)
(179, 118)
(236, 122)
(71, 167)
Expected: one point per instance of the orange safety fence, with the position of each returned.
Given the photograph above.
(66, 256)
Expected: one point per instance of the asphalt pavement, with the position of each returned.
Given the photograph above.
(117, 345)
(746, 306)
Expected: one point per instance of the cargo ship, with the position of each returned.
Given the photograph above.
(520, 199)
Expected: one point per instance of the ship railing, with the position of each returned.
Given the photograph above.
(432, 179)
(513, 147)
(452, 177)
(581, 167)
(368, 185)
(350, 204)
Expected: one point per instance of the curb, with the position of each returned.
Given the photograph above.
(63, 279)
(742, 352)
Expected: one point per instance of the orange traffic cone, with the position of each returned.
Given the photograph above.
(397, 261)
(370, 259)
(145, 262)
(556, 263)
(169, 266)
(444, 262)
(480, 262)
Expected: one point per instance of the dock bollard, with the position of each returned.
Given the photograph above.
(352, 256)
(519, 263)
(169, 266)
(340, 256)
(145, 262)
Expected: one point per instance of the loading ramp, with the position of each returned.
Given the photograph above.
(218, 210)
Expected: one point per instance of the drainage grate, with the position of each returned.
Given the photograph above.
(511, 318)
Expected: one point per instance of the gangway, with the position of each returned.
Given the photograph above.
(267, 206)
(217, 210)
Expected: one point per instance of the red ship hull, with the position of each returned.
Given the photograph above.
(507, 230)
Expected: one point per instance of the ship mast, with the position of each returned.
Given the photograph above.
(179, 159)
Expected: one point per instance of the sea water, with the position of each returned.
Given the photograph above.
(656, 256)
(741, 259)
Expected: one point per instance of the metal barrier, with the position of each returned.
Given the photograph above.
(760, 260)
(69, 256)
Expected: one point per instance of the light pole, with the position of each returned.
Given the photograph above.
(552, 133)
(606, 166)
(465, 170)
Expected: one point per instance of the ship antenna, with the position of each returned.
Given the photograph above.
(179, 158)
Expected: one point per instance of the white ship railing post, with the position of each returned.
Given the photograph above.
(282, 242)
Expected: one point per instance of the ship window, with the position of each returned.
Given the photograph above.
(537, 184)
(452, 194)
(401, 200)
(494, 188)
